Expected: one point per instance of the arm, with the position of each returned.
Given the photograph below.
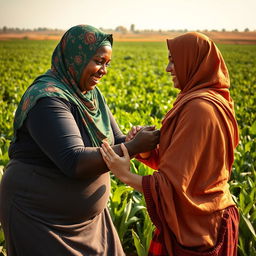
(120, 166)
(145, 139)
(53, 127)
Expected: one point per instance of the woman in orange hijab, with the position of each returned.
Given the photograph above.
(188, 198)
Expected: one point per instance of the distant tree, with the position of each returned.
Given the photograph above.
(246, 30)
(235, 30)
(223, 30)
(121, 29)
(42, 29)
(132, 28)
(5, 29)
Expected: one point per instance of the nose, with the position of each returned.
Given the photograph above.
(170, 67)
(103, 69)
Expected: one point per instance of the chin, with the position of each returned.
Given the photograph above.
(91, 87)
(88, 87)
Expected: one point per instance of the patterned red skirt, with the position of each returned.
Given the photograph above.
(226, 243)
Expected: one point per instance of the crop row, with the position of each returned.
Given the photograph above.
(139, 91)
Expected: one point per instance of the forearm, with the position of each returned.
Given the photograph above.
(61, 140)
(120, 166)
(133, 180)
(90, 162)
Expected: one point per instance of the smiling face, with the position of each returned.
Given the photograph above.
(95, 69)
(171, 69)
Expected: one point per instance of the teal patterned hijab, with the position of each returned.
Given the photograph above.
(74, 51)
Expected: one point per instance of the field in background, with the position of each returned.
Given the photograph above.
(139, 91)
(219, 37)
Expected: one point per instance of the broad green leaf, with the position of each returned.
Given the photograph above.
(253, 128)
(139, 247)
(249, 227)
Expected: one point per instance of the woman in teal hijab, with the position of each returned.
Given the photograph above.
(55, 188)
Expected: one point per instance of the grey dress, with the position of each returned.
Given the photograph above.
(44, 208)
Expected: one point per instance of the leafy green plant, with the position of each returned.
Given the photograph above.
(129, 214)
(139, 92)
(144, 234)
(2, 248)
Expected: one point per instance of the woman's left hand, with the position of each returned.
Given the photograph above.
(118, 165)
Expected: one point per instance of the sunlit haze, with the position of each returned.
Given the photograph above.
(144, 14)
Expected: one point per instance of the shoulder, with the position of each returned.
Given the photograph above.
(200, 107)
(51, 106)
(199, 112)
(53, 101)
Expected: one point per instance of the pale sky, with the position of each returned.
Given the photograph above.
(145, 14)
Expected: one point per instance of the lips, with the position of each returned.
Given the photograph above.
(95, 79)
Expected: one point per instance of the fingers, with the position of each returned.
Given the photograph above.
(104, 156)
(109, 154)
(138, 127)
(134, 130)
(125, 151)
(148, 128)
(108, 150)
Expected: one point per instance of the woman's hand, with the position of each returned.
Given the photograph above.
(146, 139)
(116, 164)
(130, 135)
(120, 166)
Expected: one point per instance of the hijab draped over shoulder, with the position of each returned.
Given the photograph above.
(185, 198)
(74, 51)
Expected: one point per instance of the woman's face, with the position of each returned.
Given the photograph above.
(171, 69)
(95, 69)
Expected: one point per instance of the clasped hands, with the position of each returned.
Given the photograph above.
(139, 139)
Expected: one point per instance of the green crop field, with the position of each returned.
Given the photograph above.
(139, 91)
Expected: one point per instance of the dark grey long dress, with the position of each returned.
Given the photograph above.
(44, 209)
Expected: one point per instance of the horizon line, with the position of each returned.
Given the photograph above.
(124, 29)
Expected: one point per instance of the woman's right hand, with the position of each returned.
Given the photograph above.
(146, 139)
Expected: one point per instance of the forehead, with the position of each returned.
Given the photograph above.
(104, 51)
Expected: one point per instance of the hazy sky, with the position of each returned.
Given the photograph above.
(145, 14)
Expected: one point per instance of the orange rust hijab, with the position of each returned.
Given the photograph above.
(185, 198)
(202, 73)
